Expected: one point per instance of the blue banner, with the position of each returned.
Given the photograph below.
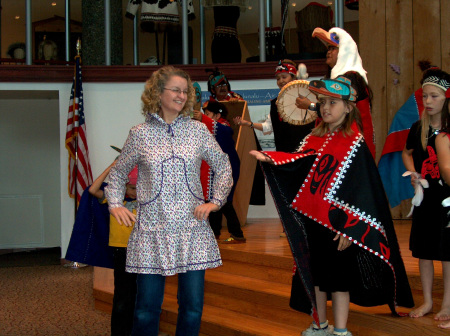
(253, 97)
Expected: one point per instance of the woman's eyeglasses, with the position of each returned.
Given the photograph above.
(177, 90)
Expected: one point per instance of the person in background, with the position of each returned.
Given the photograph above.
(343, 59)
(336, 216)
(430, 237)
(220, 89)
(287, 136)
(214, 118)
(171, 234)
(124, 283)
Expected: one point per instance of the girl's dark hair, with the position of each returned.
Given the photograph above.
(432, 70)
(217, 107)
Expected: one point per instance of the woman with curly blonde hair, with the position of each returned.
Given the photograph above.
(171, 234)
(155, 86)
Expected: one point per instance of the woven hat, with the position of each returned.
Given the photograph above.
(340, 87)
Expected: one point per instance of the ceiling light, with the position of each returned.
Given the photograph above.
(250, 7)
(294, 4)
(17, 17)
(53, 3)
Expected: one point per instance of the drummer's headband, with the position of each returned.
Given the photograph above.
(218, 79)
(340, 87)
(285, 68)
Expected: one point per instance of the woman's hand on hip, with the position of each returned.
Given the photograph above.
(202, 211)
(123, 216)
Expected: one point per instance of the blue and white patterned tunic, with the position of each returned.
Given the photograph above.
(167, 238)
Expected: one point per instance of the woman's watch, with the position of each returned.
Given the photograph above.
(312, 107)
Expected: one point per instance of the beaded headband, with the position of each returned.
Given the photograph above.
(285, 68)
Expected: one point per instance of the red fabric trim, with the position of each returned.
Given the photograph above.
(223, 122)
(205, 170)
(366, 118)
(395, 142)
(280, 158)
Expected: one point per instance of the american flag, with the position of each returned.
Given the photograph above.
(80, 174)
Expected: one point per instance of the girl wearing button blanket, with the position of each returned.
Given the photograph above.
(336, 216)
(171, 234)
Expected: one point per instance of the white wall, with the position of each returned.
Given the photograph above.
(29, 169)
(111, 109)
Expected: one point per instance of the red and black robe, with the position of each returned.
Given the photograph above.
(333, 181)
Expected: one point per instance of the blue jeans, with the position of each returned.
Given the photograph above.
(150, 294)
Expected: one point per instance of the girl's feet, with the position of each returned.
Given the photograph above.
(443, 315)
(314, 330)
(344, 333)
(422, 310)
(445, 325)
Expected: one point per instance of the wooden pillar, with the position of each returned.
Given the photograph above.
(372, 42)
(426, 32)
(445, 41)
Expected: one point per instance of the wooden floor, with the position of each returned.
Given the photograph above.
(249, 294)
(263, 236)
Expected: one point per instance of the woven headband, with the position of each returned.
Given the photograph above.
(439, 82)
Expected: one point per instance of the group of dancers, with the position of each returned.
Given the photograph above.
(325, 185)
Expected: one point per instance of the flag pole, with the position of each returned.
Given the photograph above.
(75, 264)
(78, 47)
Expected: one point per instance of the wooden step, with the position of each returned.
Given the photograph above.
(218, 321)
(256, 258)
(249, 296)
(278, 269)
(265, 267)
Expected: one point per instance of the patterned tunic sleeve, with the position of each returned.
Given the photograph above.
(220, 164)
(118, 176)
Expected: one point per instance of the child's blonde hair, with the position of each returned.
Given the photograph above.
(346, 127)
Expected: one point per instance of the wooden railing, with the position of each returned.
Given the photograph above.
(124, 73)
